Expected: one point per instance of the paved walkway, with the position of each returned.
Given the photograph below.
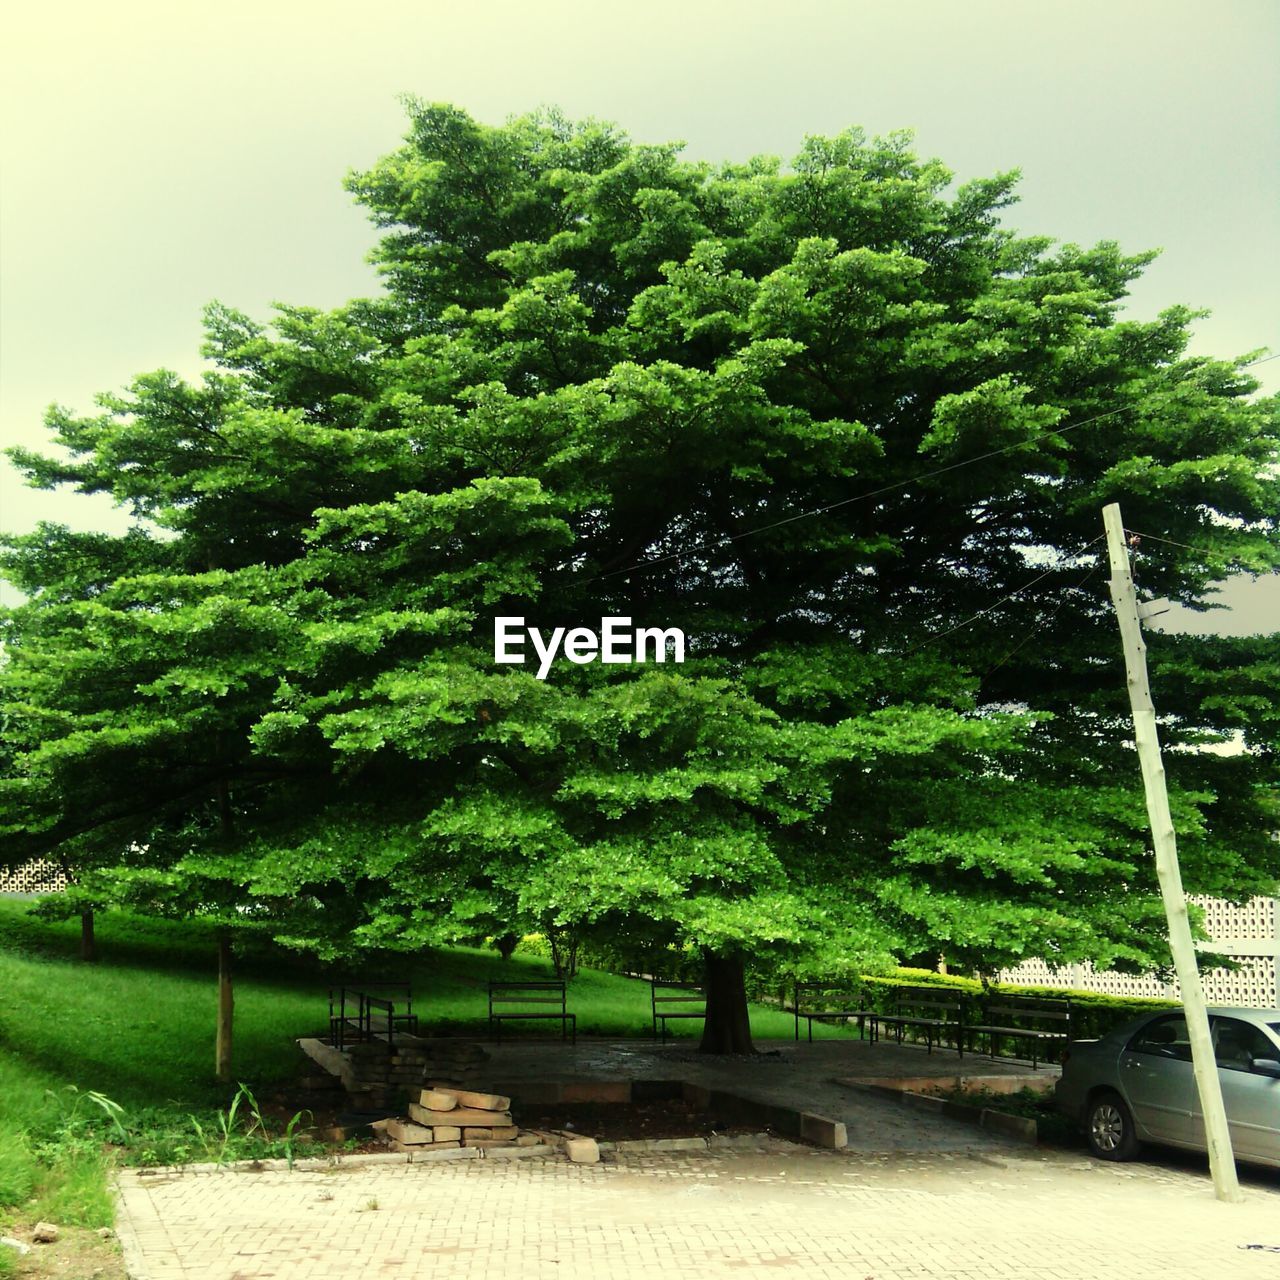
(913, 1195)
(820, 1214)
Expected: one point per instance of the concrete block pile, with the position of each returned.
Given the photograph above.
(447, 1116)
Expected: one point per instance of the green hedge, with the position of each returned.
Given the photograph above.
(1093, 1014)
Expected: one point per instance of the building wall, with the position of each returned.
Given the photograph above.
(1248, 934)
(33, 877)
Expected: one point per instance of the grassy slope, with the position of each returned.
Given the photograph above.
(138, 1024)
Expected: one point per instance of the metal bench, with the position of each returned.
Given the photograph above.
(505, 996)
(930, 1010)
(833, 1002)
(663, 992)
(1026, 1020)
(357, 1015)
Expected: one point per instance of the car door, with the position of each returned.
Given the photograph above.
(1251, 1099)
(1158, 1082)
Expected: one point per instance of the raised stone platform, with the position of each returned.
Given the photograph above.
(833, 1093)
(376, 1074)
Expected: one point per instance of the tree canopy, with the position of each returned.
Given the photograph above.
(834, 420)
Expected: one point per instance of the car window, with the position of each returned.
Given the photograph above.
(1164, 1037)
(1236, 1044)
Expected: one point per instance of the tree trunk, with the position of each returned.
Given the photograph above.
(727, 1026)
(506, 943)
(226, 1005)
(88, 944)
(226, 993)
(564, 950)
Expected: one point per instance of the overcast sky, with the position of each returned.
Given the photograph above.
(159, 155)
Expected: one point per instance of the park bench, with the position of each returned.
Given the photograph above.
(507, 1001)
(833, 1002)
(932, 1011)
(664, 992)
(1026, 1020)
(357, 1015)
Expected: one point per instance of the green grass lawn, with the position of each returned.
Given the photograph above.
(137, 1027)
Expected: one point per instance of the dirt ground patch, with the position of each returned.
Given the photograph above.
(608, 1121)
(613, 1122)
(618, 1122)
(77, 1254)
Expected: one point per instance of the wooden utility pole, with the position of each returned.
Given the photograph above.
(1130, 614)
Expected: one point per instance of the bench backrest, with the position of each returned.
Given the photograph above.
(1028, 1011)
(504, 994)
(665, 991)
(816, 997)
(928, 1002)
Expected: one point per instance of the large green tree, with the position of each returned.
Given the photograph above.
(833, 420)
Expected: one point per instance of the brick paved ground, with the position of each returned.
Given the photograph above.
(820, 1214)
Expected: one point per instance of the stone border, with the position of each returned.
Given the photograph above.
(127, 1235)
(338, 1160)
(1019, 1128)
(716, 1142)
(640, 1146)
(1039, 1082)
(634, 1146)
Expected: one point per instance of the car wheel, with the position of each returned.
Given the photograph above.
(1108, 1126)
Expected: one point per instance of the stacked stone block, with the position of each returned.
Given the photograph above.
(448, 1116)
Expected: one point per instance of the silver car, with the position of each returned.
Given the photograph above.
(1136, 1085)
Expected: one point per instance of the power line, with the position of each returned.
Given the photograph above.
(726, 540)
(844, 502)
(1079, 585)
(1038, 626)
(1017, 591)
(1186, 546)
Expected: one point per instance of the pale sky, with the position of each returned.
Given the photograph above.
(158, 155)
